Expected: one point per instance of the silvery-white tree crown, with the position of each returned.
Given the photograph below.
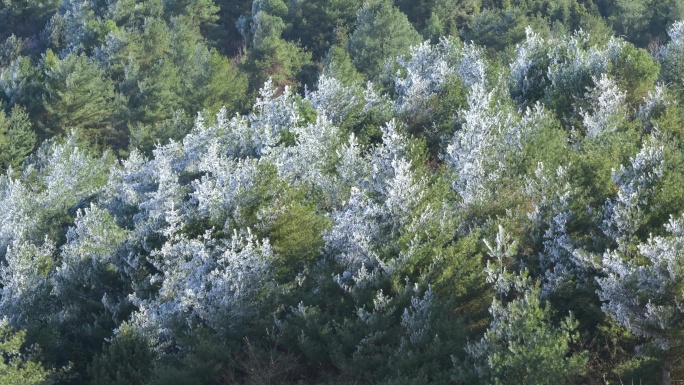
(625, 214)
(670, 56)
(427, 68)
(205, 281)
(569, 67)
(334, 99)
(551, 193)
(381, 201)
(492, 136)
(575, 62)
(57, 178)
(528, 70)
(645, 294)
(607, 105)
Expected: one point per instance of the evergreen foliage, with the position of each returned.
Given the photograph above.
(381, 32)
(17, 140)
(304, 192)
(16, 367)
(522, 346)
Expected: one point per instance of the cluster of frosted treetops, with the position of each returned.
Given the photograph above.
(462, 220)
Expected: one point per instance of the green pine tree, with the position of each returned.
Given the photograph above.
(126, 361)
(382, 32)
(17, 139)
(15, 368)
(78, 95)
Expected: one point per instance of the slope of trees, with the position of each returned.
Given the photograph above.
(341, 192)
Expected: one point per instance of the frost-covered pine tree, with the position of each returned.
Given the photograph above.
(574, 62)
(654, 105)
(501, 252)
(491, 136)
(644, 293)
(379, 205)
(212, 282)
(90, 272)
(75, 16)
(473, 152)
(607, 105)
(56, 178)
(627, 213)
(224, 187)
(334, 99)
(561, 258)
(671, 57)
(251, 136)
(18, 221)
(26, 286)
(158, 210)
(528, 77)
(424, 72)
(273, 116)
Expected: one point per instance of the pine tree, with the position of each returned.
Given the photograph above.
(670, 57)
(269, 55)
(643, 293)
(382, 32)
(215, 83)
(522, 345)
(17, 139)
(127, 360)
(15, 367)
(78, 95)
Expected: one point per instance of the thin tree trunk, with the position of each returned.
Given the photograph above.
(667, 366)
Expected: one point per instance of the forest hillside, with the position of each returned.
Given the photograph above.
(220, 192)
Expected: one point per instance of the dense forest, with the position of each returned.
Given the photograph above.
(219, 192)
